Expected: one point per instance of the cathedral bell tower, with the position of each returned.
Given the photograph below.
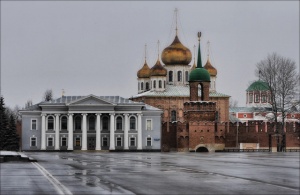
(200, 113)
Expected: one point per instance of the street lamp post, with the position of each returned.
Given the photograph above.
(237, 135)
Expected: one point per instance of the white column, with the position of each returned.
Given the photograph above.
(126, 132)
(56, 131)
(139, 143)
(84, 132)
(70, 132)
(112, 132)
(43, 136)
(98, 132)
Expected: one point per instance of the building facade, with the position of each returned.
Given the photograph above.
(91, 123)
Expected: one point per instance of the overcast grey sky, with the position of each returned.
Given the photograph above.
(96, 47)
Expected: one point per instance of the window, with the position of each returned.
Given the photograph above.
(33, 141)
(63, 141)
(173, 115)
(142, 86)
(147, 86)
(132, 123)
(179, 76)
(256, 98)
(132, 141)
(159, 84)
(50, 123)
(119, 123)
(33, 124)
(138, 86)
(104, 141)
(105, 123)
(154, 84)
(119, 141)
(250, 98)
(50, 141)
(149, 124)
(263, 98)
(186, 76)
(170, 76)
(78, 123)
(92, 123)
(77, 141)
(64, 123)
(164, 84)
(149, 141)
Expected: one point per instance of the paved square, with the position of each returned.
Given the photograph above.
(152, 173)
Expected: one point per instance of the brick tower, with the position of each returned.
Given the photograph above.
(200, 115)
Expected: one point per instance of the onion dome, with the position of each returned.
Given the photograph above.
(176, 54)
(158, 69)
(258, 86)
(199, 73)
(212, 70)
(144, 72)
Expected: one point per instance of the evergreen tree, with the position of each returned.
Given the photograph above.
(3, 124)
(12, 139)
(9, 140)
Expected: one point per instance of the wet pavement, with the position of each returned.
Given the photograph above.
(152, 173)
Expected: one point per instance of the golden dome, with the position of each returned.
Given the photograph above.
(212, 71)
(176, 54)
(144, 72)
(158, 70)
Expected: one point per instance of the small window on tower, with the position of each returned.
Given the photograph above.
(170, 76)
(179, 76)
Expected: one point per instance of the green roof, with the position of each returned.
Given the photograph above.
(199, 74)
(258, 86)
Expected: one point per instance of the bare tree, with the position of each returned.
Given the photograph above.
(281, 76)
(48, 95)
(233, 103)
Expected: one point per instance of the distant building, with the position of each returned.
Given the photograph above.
(91, 123)
(258, 106)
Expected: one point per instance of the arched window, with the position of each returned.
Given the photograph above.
(186, 76)
(138, 86)
(92, 123)
(173, 115)
(105, 123)
(170, 76)
(142, 86)
(179, 76)
(64, 123)
(50, 123)
(159, 84)
(119, 123)
(154, 84)
(164, 84)
(77, 123)
(132, 123)
(147, 86)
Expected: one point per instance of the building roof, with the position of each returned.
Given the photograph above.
(68, 100)
(176, 91)
(258, 86)
(250, 109)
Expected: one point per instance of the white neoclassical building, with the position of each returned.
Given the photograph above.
(91, 123)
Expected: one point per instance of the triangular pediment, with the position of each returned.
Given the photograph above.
(91, 100)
